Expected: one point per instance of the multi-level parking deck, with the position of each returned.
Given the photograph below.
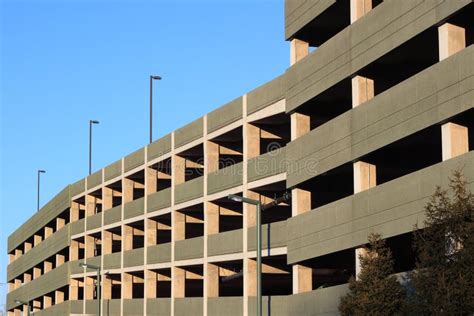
(359, 129)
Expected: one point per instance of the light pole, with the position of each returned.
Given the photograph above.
(24, 303)
(151, 105)
(97, 285)
(38, 193)
(258, 204)
(91, 122)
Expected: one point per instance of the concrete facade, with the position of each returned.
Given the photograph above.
(360, 130)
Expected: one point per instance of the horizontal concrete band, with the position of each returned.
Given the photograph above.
(391, 209)
(46, 214)
(426, 99)
(41, 252)
(299, 13)
(361, 43)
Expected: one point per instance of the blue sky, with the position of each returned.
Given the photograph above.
(65, 62)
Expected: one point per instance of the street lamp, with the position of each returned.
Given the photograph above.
(258, 204)
(151, 105)
(24, 303)
(97, 285)
(38, 193)
(91, 122)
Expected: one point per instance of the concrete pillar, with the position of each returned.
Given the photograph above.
(89, 288)
(18, 253)
(250, 278)
(253, 141)
(298, 50)
(58, 297)
(25, 310)
(28, 246)
(36, 273)
(48, 231)
(60, 259)
(11, 286)
(127, 286)
(11, 257)
(178, 169)
(212, 281)
(107, 198)
(365, 176)
(37, 240)
(212, 218)
(151, 232)
(90, 246)
(358, 253)
(251, 209)
(36, 305)
(179, 225)
(362, 90)
(455, 140)
(212, 157)
(359, 8)
(107, 238)
(127, 190)
(74, 212)
(74, 250)
(127, 237)
(90, 205)
(60, 222)
(452, 39)
(47, 266)
(151, 280)
(17, 283)
(179, 282)
(73, 290)
(47, 301)
(106, 288)
(300, 125)
(27, 277)
(151, 180)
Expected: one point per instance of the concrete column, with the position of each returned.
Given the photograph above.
(58, 297)
(90, 205)
(455, 140)
(89, 288)
(151, 180)
(73, 290)
(212, 281)
(298, 50)
(127, 190)
(25, 310)
(151, 279)
(106, 288)
(359, 8)
(179, 226)
(152, 232)
(452, 39)
(250, 278)
(212, 157)
(212, 218)
(60, 222)
(127, 286)
(90, 246)
(300, 125)
(47, 266)
(36, 305)
(362, 90)
(358, 253)
(74, 212)
(178, 169)
(28, 246)
(60, 259)
(251, 209)
(37, 240)
(74, 250)
(127, 237)
(179, 282)
(11, 257)
(107, 198)
(18, 253)
(107, 238)
(253, 141)
(27, 277)
(36, 273)
(47, 301)
(48, 231)
(17, 283)
(365, 176)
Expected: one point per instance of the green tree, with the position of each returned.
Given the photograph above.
(377, 291)
(443, 281)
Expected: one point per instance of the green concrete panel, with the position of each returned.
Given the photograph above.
(189, 248)
(133, 258)
(158, 306)
(418, 102)
(91, 307)
(229, 306)
(60, 309)
(189, 190)
(113, 215)
(271, 305)
(266, 94)
(113, 170)
(112, 260)
(47, 213)
(75, 266)
(159, 253)
(76, 307)
(318, 302)
(134, 160)
(159, 200)
(78, 227)
(391, 209)
(134, 208)
(112, 307)
(94, 221)
(275, 232)
(224, 115)
(267, 165)
(78, 187)
(95, 261)
(298, 13)
(225, 243)
(94, 179)
(159, 147)
(133, 306)
(46, 283)
(182, 306)
(380, 31)
(225, 178)
(188, 133)
(48, 247)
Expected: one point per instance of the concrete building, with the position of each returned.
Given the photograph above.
(359, 130)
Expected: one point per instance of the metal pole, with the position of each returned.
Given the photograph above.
(151, 109)
(98, 292)
(259, 260)
(38, 194)
(90, 147)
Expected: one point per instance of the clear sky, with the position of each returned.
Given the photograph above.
(66, 62)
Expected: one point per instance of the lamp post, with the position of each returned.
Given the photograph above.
(24, 303)
(258, 204)
(38, 192)
(97, 285)
(91, 122)
(151, 105)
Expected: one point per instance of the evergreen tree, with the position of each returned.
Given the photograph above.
(377, 292)
(444, 278)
